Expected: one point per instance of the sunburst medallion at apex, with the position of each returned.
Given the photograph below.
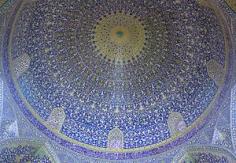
(69, 72)
(119, 37)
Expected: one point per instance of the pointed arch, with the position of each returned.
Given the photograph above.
(21, 64)
(216, 72)
(115, 139)
(56, 119)
(176, 123)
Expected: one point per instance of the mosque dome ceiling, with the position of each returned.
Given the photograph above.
(116, 79)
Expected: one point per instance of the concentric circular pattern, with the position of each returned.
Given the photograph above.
(119, 37)
(171, 43)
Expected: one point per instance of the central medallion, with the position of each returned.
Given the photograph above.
(68, 70)
(119, 37)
